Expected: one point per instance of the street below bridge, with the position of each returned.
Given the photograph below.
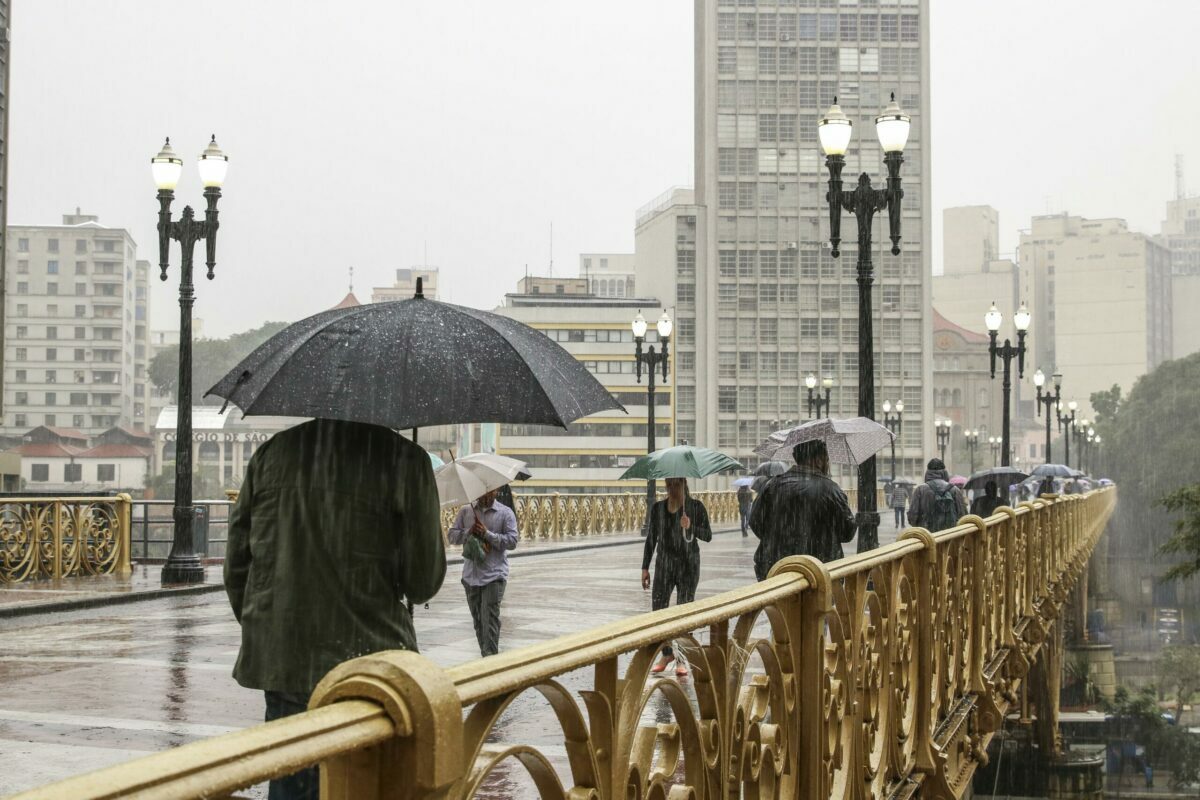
(90, 688)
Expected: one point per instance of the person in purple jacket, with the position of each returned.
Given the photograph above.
(494, 525)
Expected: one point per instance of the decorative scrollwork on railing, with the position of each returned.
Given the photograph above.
(63, 538)
(884, 675)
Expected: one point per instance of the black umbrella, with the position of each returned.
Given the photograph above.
(1003, 476)
(411, 364)
(772, 468)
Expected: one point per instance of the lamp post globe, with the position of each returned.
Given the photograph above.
(653, 361)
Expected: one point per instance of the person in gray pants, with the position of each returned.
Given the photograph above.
(493, 526)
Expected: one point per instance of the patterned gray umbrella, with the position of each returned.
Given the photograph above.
(849, 441)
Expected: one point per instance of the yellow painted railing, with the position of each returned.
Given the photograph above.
(56, 537)
(552, 517)
(884, 674)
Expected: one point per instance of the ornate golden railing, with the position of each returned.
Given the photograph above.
(880, 675)
(55, 537)
(552, 517)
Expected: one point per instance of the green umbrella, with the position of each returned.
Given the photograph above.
(683, 461)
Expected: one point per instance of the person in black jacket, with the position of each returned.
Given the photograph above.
(676, 526)
(986, 504)
(801, 512)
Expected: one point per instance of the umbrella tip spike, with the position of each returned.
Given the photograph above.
(420, 293)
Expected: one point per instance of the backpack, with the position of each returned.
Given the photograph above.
(945, 511)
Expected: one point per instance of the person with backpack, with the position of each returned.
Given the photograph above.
(936, 504)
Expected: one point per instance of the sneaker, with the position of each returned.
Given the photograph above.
(661, 666)
(681, 671)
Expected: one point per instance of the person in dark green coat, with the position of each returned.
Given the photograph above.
(336, 526)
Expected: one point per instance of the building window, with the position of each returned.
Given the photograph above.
(51, 376)
(22, 245)
(39, 473)
(727, 399)
(51, 354)
(22, 310)
(51, 331)
(81, 268)
(22, 332)
(106, 473)
(77, 420)
(22, 287)
(22, 398)
(73, 473)
(52, 267)
(19, 420)
(80, 333)
(51, 287)
(81, 245)
(51, 398)
(22, 354)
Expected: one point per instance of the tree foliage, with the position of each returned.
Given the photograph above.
(206, 485)
(211, 359)
(1185, 542)
(1179, 673)
(1150, 446)
(1137, 718)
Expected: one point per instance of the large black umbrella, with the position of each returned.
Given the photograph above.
(1003, 476)
(1053, 470)
(411, 364)
(767, 470)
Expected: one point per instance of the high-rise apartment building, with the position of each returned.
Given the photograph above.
(1100, 296)
(1181, 235)
(768, 304)
(77, 342)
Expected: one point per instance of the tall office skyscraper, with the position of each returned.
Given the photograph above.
(768, 304)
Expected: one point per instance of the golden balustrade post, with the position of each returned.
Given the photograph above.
(987, 712)
(124, 504)
(925, 760)
(424, 758)
(56, 565)
(556, 522)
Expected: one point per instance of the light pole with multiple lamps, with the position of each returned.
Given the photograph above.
(1065, 423)
(834, 131)
(814, 397)
(1081, 429)
(653, 361)
(183, 563)
(972, 442)
(1007, 352)
(894, 423)
(994, 442)
(1050, 401)
(942, 427)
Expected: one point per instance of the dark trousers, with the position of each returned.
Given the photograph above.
(682, 581)
(304, 784)
(484, 602)
(745, 520)
(899, 516)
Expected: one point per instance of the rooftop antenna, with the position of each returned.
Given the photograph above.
(352, 280)
(1180, 188)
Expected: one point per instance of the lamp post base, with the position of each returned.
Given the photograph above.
(182, 569)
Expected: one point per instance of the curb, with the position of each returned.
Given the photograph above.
(101, 600)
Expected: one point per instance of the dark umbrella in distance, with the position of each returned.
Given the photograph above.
(411, 364)
(1003, 476)
(1052, 470)
(767, 470)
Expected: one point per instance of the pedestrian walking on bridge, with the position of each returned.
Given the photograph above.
(677, 525)
(487, 530)
(936, 504)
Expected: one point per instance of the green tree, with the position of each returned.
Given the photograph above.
(1136, 717)
(1179, 672)
(1150, 449)
(205, 483)
(211, 360)
(1106, 404)
(1185, 541)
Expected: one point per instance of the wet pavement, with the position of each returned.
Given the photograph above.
(89, 688)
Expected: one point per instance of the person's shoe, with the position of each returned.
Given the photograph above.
(681, 671)
(661, 666)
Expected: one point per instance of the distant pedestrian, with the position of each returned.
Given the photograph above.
(1046, 486)
(335, 525)
(986, 504)
(677, 525)
(897, 498)
(745, 499)
(487, 530)
(936, 504)
(801, 512)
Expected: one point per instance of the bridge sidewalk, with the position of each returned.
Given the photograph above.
(70, 594)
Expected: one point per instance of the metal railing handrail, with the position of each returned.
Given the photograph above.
(894, 667)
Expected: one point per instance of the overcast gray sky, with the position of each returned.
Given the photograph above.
(361, 133)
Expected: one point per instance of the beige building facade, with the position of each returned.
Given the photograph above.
(609, 274)
(592, 452)
(766, 304)
(1185, 294)
(406, 285)
(1100, 299)
(77, 344)
(1181, 235)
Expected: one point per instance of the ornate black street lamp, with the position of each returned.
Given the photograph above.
(994, 441)
(972, 442)
(814, 397)
(183, 564)
(782, 424)
(652, 360)
(834, 131)
(942, 428)
(1081, 429)
(1007, 352)
(1050, 401)
(894, 423)
(1067, 420)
